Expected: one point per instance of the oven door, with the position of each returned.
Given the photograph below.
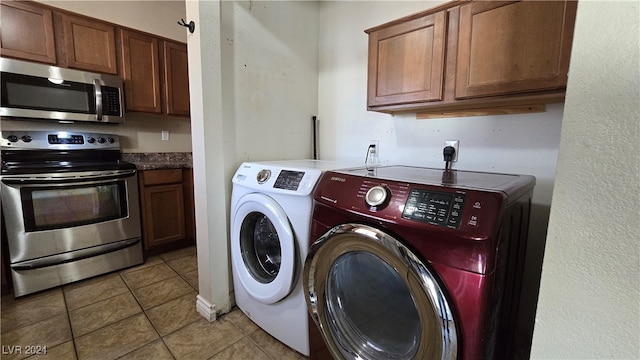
(61, 213)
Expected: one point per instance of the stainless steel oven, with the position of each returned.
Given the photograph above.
(70, 207)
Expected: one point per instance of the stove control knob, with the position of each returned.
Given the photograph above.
(101, 140)
(377, 196)
(111, 140)
(91, 139)
(26, 138)
(12, 138)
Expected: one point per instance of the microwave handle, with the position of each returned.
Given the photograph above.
(98, 89)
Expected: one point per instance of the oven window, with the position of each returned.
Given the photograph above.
(55, 207)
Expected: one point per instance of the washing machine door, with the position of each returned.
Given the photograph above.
(263, 250)
(373, 298)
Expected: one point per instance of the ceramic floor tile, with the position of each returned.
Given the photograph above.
(273, 347)
(161, 292)
(202, 339)
(184, 264)
(152, 261)
(242, 350)
(148, 275)
(241, 320)
(64, 351)
(175, 314)
(191, 278)
(117, 339)
(172, 255)
(50, 333)
(103, 313)
(87, 293)
(31, 309)
(156, 350)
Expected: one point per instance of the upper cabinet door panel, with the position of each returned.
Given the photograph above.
(176, 75)
(140, 71)
(510, 47)
(406, 61)
(89, 44)
(27, 32)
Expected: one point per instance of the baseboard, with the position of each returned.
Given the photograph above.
(208, 311)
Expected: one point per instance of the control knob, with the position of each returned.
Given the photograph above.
(101, 140)
(26, 138)
(12, 138)
(91, 139)
(263, 175)
(111, 140)
(377, 196)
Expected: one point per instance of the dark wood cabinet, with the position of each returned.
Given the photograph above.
(513, 47)
(406, 61)
(27, 32)
(472, 58)
(176, 75)
(141, 71)
(167, 209)
(86, 44)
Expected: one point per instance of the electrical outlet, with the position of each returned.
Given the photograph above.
(456, 145)
(374, 147)
(165, 135)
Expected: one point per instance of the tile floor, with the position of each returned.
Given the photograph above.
(145, 312)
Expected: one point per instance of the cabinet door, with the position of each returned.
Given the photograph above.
(27, 32)
(508, 47)
(141, 72)
(176, 78)
(406, 61)
(88, 44)
(163, 215)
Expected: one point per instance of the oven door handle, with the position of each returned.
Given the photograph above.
(73, 255)
(66, 178)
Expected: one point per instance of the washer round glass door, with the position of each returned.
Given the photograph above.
(372, 298)
(263, 251)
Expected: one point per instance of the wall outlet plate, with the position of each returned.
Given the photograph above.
(165, 135)
(456, 145)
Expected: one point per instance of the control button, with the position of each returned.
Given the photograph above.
(26, 138)
(477, 205)
(12, 138)
(91, 139)
(473, 221)
(376, 196)
(263, 175)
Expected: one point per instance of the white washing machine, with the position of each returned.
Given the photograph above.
(271, 206)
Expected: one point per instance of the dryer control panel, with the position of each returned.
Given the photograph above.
(436, 208)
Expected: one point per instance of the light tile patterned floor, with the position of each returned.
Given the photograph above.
(145, 312)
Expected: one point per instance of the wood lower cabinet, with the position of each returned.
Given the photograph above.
(86, 44)
(167, 209)
(27, 32)
(473, 57)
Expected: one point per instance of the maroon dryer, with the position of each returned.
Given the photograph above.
(419, 263)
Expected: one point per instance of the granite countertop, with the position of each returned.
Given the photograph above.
(155, 161)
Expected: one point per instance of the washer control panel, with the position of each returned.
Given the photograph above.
(436, 208)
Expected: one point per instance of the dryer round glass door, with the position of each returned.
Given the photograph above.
(372, 298)
(263, 250)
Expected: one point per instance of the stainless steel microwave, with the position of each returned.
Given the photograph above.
(39, 91)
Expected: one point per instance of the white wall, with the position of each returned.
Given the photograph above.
(253, 77)
(589, 304)
(141, 132)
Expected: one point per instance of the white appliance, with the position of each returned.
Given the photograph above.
(271, 206)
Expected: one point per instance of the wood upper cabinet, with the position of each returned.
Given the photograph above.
(27, 32)
(406, 61)
(493, 56)
(513, 47)
(86, 44)
(176, 75)
(140, 71)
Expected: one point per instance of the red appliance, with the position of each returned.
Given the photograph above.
(410, 262)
